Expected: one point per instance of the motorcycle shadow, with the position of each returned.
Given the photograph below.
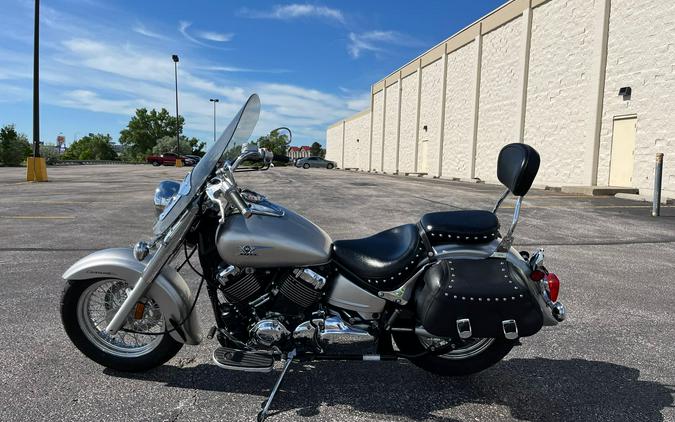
(535, 389)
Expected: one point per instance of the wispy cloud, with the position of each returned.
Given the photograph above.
(215, 36)
(183, 27)
(139, 28)
(234, 69)
(376, 41)
(293, 11)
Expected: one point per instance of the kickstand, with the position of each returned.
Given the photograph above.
(266, 405)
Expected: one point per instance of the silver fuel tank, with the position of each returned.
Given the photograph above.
(263, 241)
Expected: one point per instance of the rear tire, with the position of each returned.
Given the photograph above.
(161, 350)
(330, 166)
(466, 359)
(155, 163)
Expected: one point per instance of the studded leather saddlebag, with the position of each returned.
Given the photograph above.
(463, 298)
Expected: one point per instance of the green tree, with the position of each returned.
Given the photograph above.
(316, 150)
(144, 129)
(192, 146)
(94, 146)
(14, 146)
(275, 142)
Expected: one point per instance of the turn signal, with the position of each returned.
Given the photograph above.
(553, 286)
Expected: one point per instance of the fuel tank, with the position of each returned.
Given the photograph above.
(264, 241)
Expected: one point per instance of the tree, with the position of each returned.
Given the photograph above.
(95, 146)
(275, 142)
(14, 146)
(187, 145)
(145, 128)
(316, 150)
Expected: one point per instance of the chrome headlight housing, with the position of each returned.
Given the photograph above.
(166, 189)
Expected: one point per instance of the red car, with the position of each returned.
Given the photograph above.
(168, 159)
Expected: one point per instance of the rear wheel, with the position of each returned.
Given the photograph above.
(87, 306)
(466, 357)
(155, 163)
(330, 166)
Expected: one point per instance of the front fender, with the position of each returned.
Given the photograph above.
(169, 289)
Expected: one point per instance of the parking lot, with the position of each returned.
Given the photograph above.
(610, 361)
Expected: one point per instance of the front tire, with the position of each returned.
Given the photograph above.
(305, 166)
(469, 357)
(80, 314)
(155, 164)
(330, 166)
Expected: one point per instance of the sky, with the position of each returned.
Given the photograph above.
(312, 63)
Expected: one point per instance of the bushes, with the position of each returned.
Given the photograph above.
(14, 146)
(91, 147)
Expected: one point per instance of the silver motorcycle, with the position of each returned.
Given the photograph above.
(448, 293)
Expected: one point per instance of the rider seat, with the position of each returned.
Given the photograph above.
(385, 260)
(473, 226)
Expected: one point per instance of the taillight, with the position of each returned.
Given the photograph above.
(537, 275)
(553, 286)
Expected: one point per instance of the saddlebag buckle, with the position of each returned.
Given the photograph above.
(510, 329)
(464, 328)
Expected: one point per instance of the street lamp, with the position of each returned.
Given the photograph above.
(214, 101)
(175, 70)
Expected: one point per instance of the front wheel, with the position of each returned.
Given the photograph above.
(305, 166)
(155, 163)
(466, 357)
(330, 166)
(87, 306)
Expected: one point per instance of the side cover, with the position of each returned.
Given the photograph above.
(169, 289)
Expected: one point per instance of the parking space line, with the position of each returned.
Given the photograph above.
(586, 206)
(37, 217)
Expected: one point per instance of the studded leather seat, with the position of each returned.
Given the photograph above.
(385, 260)
(474, 226)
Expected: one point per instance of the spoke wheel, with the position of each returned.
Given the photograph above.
(98, 305)
(87, 306)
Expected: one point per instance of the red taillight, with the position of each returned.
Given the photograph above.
(537, 275)
(553, 286)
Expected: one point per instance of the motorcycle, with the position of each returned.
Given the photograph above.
(450, 292)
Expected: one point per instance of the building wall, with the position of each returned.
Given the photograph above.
(391, 129)
(559, 84)
(459, 105)
(378, 122)
(548, 74)
(334, 144)
(357, 131)
(498, 105)
(408, 142)
(641, 54)
(430, 116)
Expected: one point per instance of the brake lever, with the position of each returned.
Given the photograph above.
(214, 192)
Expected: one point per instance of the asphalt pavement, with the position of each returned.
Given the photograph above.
(610, 361)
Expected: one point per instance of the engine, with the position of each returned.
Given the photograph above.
(263, 307)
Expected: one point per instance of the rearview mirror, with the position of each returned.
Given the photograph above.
(284, 128)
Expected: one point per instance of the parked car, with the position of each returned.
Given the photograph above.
(168, 159)
(308, 162)
(194, 158)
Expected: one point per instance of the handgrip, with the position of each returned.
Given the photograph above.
(234, 198)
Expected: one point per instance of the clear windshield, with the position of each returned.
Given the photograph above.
(237, 133)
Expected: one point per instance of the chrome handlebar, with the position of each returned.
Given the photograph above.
(223, 192)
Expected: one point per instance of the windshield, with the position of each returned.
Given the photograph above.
(237, 133)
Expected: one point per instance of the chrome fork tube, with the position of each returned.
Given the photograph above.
(167, 247)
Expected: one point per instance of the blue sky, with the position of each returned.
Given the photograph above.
(311, 63)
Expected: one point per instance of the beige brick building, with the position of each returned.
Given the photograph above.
(544, 72)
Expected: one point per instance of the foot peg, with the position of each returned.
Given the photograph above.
(464, 328)
(241, 360)
(266, 405)
(510, 329)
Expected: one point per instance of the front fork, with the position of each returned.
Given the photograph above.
(168, 245)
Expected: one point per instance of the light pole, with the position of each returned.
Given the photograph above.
(214, 101)
(36, 82)
(175, 71)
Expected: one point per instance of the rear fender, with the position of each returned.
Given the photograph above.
(169, 290)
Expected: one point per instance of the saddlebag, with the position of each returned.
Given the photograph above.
(463, 298)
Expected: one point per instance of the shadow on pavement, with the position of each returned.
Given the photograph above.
(532, 389)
